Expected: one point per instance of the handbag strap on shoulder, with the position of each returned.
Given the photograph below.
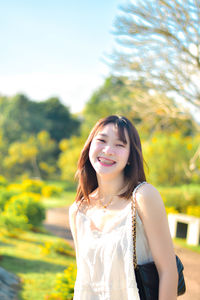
(133, 207)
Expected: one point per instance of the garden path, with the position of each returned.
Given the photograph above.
(57, 222)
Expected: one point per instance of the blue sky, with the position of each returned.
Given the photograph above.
(55, 48)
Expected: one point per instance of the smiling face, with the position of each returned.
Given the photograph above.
(108, 154)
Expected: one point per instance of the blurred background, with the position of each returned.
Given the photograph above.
(64, 65)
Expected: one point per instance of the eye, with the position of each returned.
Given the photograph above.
(120, 145)
(101, 140)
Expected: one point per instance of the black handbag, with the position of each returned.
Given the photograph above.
(146, 275)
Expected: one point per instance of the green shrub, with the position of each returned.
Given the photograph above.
(171, 210)
(51, 191)
(193, 211)
(59, 247)
(168, 156)
(181, 197)
(3, 181)
(5, 195)
(27, 205)
(174, 198)
(32, 185)
(11, 221)
(53, 297)
(16, 188)
(64, 284)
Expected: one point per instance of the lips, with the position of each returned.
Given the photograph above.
(106, 161)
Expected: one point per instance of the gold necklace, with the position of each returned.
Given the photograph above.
(105, 205)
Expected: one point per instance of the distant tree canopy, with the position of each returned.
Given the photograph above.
(59, 121)
(149, 112)
(159, 42)
(30, 133)
(20, 117)
(44, 140)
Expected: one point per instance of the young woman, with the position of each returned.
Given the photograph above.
(109, 169)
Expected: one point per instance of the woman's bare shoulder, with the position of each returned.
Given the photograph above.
(148, 195)
(73, 208)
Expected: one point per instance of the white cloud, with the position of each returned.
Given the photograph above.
(73, 89)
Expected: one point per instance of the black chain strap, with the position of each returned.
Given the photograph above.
(133, 207)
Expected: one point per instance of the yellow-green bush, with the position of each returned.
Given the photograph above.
(59, 247)
(11, 221)
(5, 195)
(181, 197)
(67, 162)
(171, 210)
(16, 188)
(3, 181)
(64, 288)
(168, 156)
(193, 211)
(27, 205)
(51, 191)
(32, 185)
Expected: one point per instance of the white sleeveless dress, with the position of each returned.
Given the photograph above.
(105, 259)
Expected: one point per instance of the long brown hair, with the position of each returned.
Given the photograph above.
(134, 170)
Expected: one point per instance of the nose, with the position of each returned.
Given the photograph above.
(108, 150)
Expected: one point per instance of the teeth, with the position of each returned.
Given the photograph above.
(105, 161)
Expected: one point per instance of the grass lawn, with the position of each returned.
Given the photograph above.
(182, 243)
(24, 257)
(66, 199)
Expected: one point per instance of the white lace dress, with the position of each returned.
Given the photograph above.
(105, 259)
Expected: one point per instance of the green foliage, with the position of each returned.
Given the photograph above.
(68, 158)
(47, 155)
(21, 117)
(3, 181)
(65, 199)
(171, 210)
(113, 97)
(168, 157)
(27, 205)
(26, 185)
(22, 256)
(32, 186)
(11, 221)
(181, 198)
(132, 98)
(64, 284)
(35, 157)
(5, 195)
(60, 123)
(29, 136)
(59, 247)
(193, 211)
(51, 191)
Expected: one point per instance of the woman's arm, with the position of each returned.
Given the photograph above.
(72, 224)
(152, 213)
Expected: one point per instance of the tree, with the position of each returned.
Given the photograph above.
(160, 43)
(60, 123)
(149, 112)
(68, 158)
(166, 167)
(33, 157)
(106, 101)
(21, 117)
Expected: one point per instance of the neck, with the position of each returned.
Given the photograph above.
(110, 188)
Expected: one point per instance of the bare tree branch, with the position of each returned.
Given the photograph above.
(160, 41)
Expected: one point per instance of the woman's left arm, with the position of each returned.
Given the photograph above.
(153, 215)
